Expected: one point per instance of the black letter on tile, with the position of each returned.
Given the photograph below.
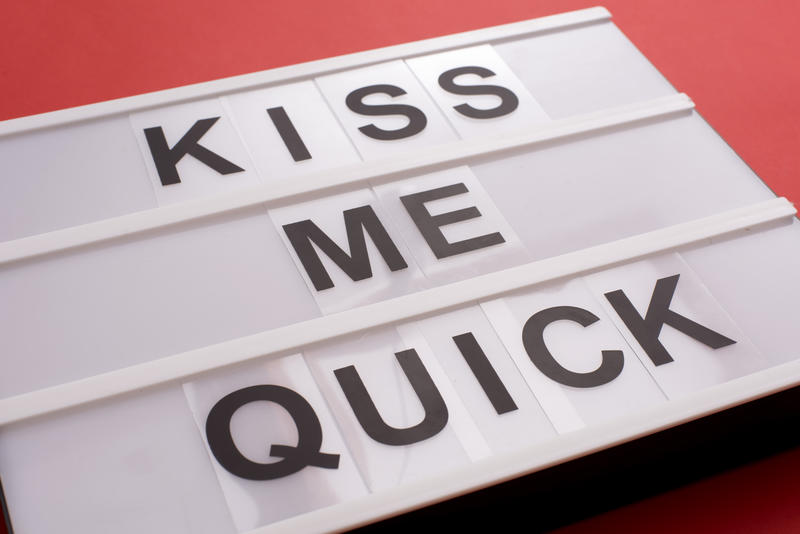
(508, 100)
(301, 235)
(167, 158)
(295, 458)
(429, 225)
(533, 340)
(416, 118)
(647, 330)
(289, 134)
(367, 414)
(487, 377)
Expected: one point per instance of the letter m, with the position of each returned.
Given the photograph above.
(303, 235)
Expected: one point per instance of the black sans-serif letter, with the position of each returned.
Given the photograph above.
(429, 225)
(487, 377)
(646, 330)
(302, 234)
(508, 100)
(416, 118)
(166, 158)
(294, 143)
(293, 457)
(371, 421)
(533, 341)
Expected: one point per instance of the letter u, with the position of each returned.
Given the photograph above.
(371, 421)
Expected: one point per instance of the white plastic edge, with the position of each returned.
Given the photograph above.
(559, 449)
(294, 337)
(302, 70)
(134, 223)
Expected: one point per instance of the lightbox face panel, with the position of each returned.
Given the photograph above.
(314, 297)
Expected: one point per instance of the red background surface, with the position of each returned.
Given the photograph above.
(738, 60)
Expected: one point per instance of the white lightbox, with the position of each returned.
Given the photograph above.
(312, 298)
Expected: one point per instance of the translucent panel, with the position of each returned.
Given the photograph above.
(192, 150)
(413, 436)
(70, 175)
(452, 227)
(583, 69)
(753, 278)
(373, 262)
(565, 196)
(265, 490)
(486, 379)
(390, 131)
(502, 104)
(677, 328)
(109, 306)
(129, 465)
(573, 358)
(290, 131)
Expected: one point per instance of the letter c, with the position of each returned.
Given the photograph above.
(533, 341)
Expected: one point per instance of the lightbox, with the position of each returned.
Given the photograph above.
(313, 297)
